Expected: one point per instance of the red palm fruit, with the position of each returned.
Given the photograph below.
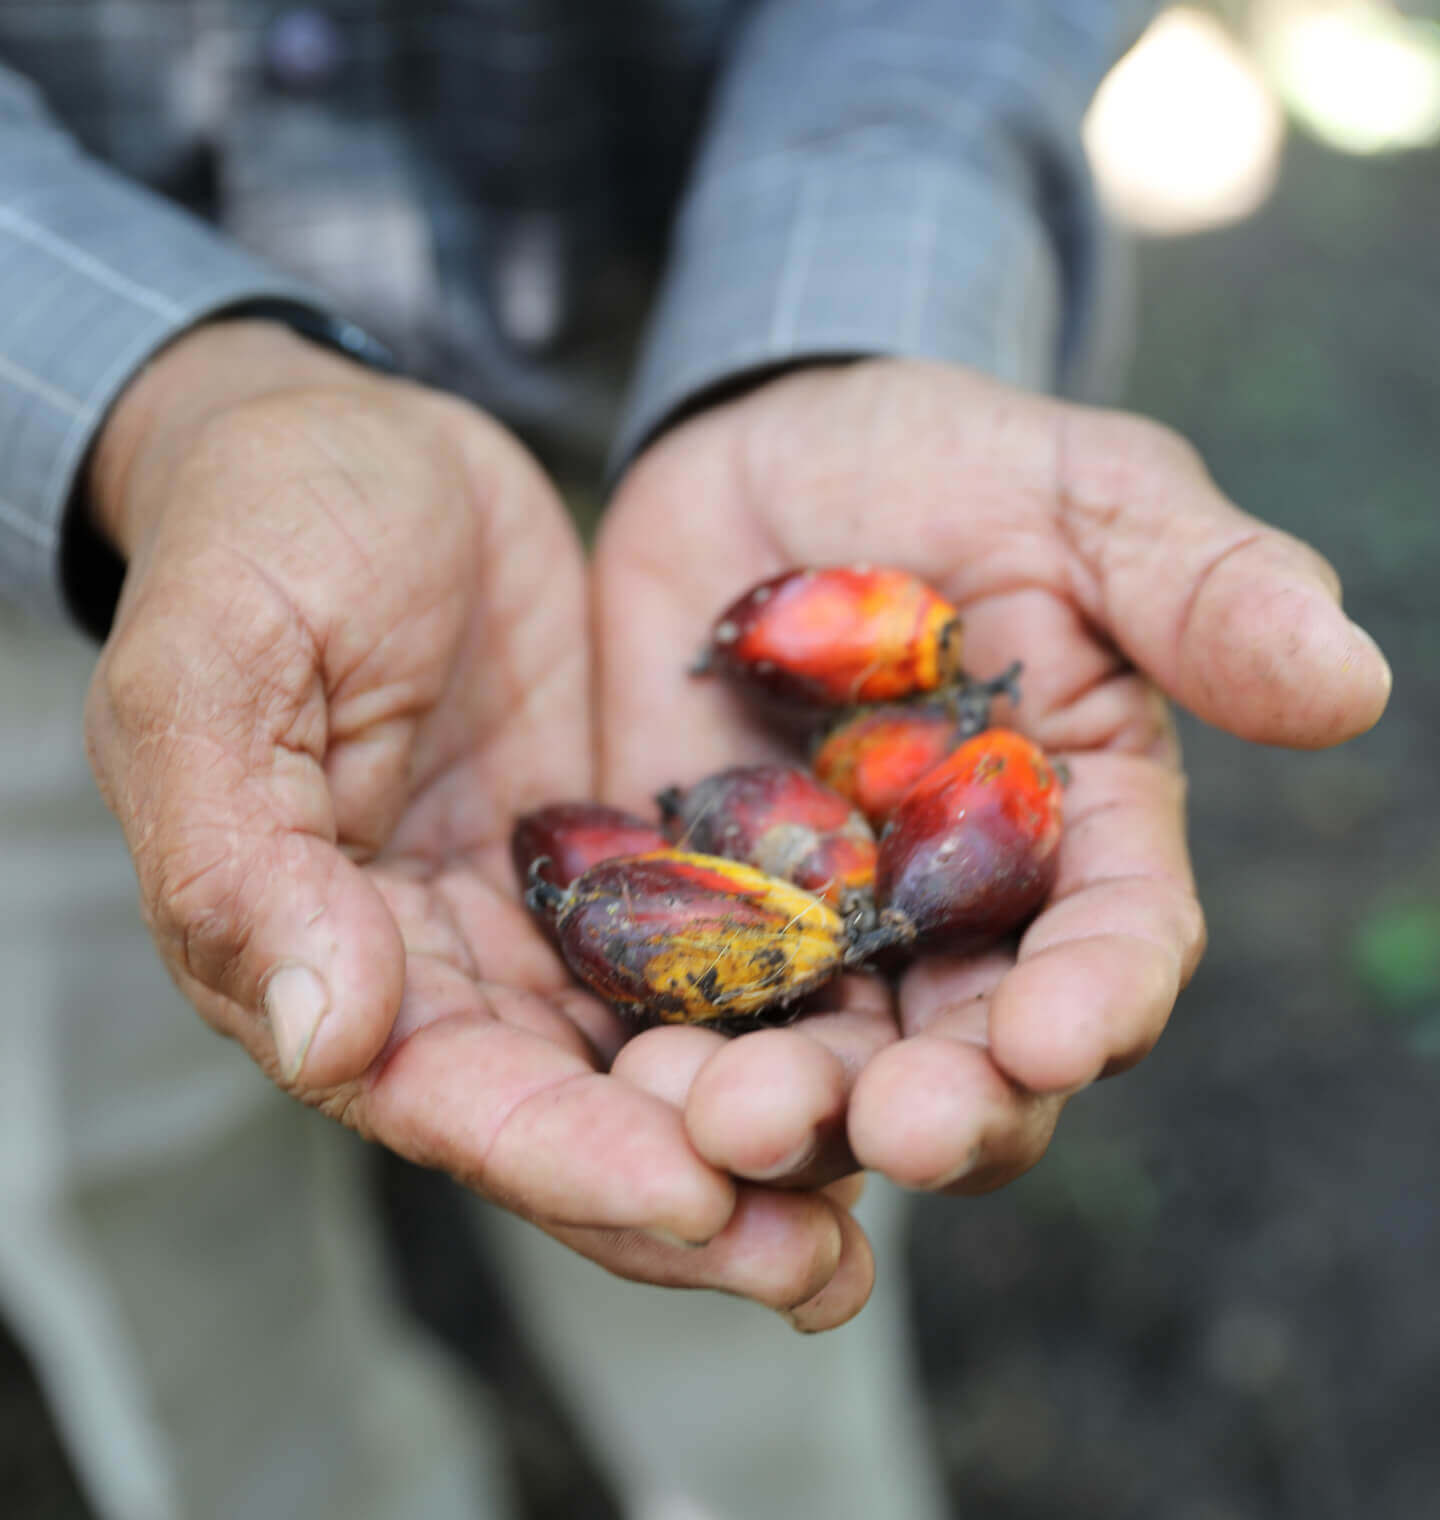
(874, 756)
(570, 837)
(832, 638)
(559, 842)
(691, 939)
(971, 851)
(781, 820)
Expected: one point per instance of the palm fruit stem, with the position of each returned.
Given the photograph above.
(972, 699)
(543, 896)
(871, 934)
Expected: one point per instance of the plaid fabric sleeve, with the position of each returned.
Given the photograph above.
(97, 275)
(886, 177)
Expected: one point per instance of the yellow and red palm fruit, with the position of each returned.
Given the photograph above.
(825, 638)
(570, 837)
(876, 754)
(971, 851)
(684, 938)
(783, 821)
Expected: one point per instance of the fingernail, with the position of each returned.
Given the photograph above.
(807, 1318)
(295, 1002)
(1364, 637)
(800, 1157)
(971, 1161)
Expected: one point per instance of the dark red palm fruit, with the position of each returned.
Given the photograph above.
(570, 837)
(836, 637)
(971, 851)
(874, 756)
(677, 937)
(783, 821)
(564, 839)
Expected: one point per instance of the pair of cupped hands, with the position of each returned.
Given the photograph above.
(358, 636)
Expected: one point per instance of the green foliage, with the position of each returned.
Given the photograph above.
(1101, 1184)
(1396, 956)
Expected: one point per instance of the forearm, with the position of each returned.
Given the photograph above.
(901, 178)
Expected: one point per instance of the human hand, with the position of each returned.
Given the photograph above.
(352, 645)
(1088, 544)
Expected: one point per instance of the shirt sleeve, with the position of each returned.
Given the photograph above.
(888, 177)
(97, 274)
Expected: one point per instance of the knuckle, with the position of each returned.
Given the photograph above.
(1114, 459)
(193, 894)
(1194, 937)
(341, 1103)
(1153, 451)
(1281, 544)
(130, 680)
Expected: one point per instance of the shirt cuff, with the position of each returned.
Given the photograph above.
(100, 275)
(809, 256)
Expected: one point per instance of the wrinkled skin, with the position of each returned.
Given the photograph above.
(352, 647)
(355, 643)
(1088, 544)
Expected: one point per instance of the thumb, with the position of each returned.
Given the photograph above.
(1239, 622)
(206, 724)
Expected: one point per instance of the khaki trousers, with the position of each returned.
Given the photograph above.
(191, 1260)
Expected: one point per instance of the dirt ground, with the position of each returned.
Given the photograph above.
(1216, 1299)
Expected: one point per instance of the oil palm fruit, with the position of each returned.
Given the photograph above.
(971, 851)
(780, 819)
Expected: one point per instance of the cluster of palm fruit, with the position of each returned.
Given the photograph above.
(915, 826)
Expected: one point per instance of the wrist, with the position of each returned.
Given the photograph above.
(202, 374)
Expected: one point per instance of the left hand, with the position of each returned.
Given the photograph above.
(1090, 545)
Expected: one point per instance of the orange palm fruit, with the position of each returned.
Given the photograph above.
(836, 637)
(972, 849)
(780, 819)
(875, 755)
(684, 938)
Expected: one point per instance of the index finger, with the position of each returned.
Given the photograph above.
(1100, 968)
(994, 1043)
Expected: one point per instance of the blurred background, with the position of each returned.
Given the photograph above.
(1216, 1298)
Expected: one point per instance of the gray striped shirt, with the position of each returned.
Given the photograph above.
(505, 192)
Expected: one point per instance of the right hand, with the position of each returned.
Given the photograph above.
(352, 645)
(1090, 545)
